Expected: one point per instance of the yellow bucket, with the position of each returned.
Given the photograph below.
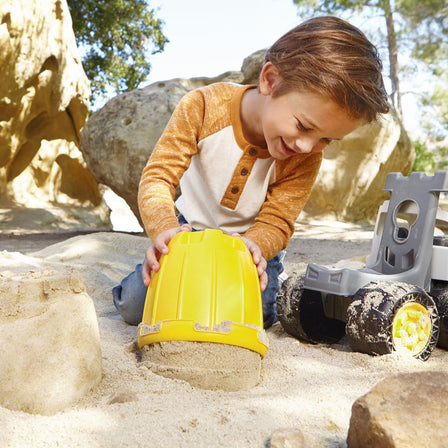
(207, 289)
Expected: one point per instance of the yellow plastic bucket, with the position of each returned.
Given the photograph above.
(207, 289)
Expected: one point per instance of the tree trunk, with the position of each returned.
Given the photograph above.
(393, 58)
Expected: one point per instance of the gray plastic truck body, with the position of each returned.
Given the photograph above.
(402, 249)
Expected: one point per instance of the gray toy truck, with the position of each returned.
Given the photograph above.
(399, 301)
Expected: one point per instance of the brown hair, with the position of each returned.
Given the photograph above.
(329, 56)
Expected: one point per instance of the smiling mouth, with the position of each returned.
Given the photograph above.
(286, 149)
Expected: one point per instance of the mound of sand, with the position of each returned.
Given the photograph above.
(302, 386)
(49, 341)
(204, 364)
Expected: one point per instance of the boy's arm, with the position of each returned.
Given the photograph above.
(285, 199)
(169, 160)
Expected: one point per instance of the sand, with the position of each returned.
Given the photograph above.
(204, 364)
(303, 386)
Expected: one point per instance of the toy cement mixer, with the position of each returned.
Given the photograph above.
(207, 289)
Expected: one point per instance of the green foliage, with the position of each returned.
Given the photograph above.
(423, 23)
(430, 161)
(428, 20)
(424, 160)
(332, 6)
(443, 152)
(440, 99)
(116, 38)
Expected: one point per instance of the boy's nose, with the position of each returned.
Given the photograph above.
(305, 145)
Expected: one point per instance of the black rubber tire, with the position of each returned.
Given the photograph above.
(439, 292)
(371, 314)
(300, 311)
(440, 241)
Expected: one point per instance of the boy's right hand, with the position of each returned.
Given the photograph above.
(158, 248)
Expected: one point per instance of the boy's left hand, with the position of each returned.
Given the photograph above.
(258, 259)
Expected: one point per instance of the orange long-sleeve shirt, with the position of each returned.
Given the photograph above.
(226, 182)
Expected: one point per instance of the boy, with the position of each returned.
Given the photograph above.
(246, 157)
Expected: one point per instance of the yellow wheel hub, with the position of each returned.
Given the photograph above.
(411, 328)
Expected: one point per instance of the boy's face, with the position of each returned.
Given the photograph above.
(301, 122)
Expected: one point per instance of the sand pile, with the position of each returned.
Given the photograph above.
(49, 341)
(302, 386)
(204, 364)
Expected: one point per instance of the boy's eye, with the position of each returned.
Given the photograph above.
(301, 126)
(327, 141)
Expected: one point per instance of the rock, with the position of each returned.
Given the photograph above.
(49, 341)
(123, 397)
(206, 365)
(118, 140)
(252, 66)
(287, 438)
(407, 410)
(44, 103)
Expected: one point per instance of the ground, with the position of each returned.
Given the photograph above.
(303, 386)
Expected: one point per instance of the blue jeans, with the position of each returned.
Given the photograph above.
(129, 296)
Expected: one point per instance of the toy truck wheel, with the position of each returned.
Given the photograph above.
(393, 316)
(300, 311)
(439, 292)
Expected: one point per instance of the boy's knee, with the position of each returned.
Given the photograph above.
(269, 302)
(129, 297)
(130, 310)
(269, 295)
(269, 314)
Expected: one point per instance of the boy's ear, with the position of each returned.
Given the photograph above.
(269, 77)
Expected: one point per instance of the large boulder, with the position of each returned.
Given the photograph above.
(119, 138)
(406, 410)
(44, 103)
(49, 340)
